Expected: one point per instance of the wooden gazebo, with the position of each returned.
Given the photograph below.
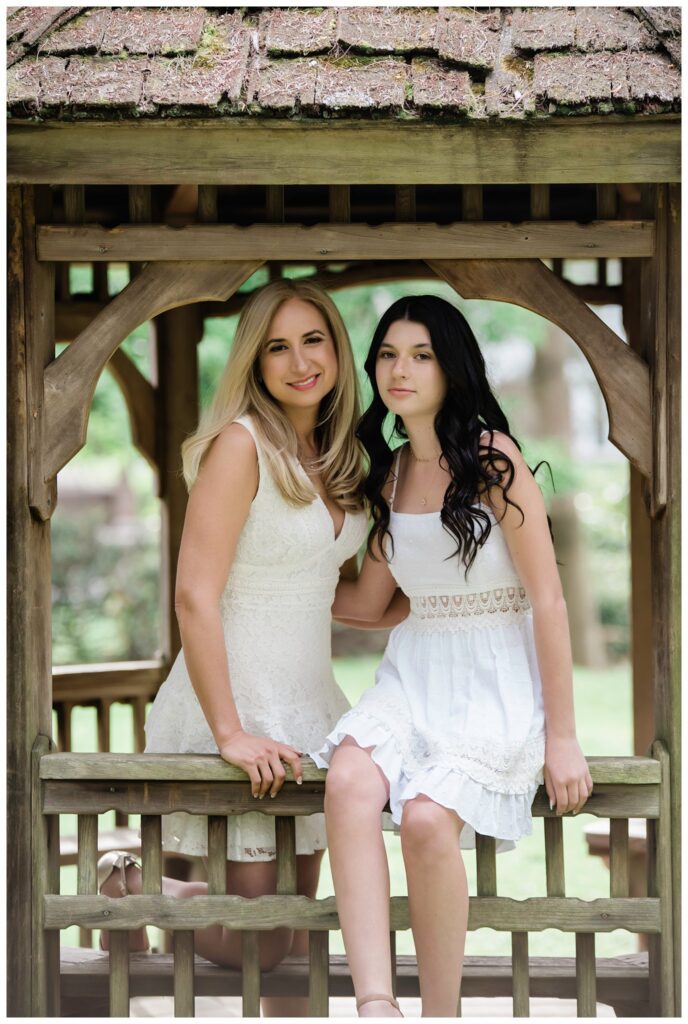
(197, 145)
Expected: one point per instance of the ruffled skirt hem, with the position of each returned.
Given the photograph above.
(505, 816)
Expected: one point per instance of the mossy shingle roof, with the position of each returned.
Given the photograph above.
(391, 62)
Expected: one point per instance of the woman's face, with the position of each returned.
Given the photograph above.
(409, 378)
(298, 362)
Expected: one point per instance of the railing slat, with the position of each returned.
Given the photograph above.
(619, 876)
(184, 974)
(554, 856)
(217, 855)
(250, 975)
(151, 854)
(340, 204)
(405, 202)
(519, 974)
(472, 202)
(87, 854)
(586, 982)
(119, 974)
(486, 864)
(285, 840)
(207, 203)
(318, 974)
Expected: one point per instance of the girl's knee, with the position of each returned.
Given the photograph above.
(273, 947)
(428, 828)
(353, 780)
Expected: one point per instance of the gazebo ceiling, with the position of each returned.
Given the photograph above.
(391, 63)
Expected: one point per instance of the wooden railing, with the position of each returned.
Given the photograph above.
(153, 785)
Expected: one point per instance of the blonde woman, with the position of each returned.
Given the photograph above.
(275, 509)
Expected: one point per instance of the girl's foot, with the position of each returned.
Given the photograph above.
(378, 1006)
(119, 874)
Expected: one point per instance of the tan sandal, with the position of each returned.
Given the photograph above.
(378, 997)
(116, 860)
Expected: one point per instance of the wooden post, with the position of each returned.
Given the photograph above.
(177, 335)
(665, 368)
(29, 677)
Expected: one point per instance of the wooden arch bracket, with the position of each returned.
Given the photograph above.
(623, 377)
(70, 380)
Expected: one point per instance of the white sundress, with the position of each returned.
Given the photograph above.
(276, 612)
(456, 712)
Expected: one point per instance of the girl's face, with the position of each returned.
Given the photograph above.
(298, 362)
(409, 378)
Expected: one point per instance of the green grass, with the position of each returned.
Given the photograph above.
(603, 704)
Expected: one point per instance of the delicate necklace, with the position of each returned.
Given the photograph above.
(423, 499)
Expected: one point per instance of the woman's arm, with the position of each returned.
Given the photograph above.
(567, 778)
(397, 610)
(217, 509)
(367, 598)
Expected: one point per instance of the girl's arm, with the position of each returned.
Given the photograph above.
(567, 778)
(218, 505)
(397, 610)
(367, 598)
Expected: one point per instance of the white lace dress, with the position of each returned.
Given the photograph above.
(276, 611)
(456, 712)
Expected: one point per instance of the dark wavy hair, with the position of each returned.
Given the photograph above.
(469, 408)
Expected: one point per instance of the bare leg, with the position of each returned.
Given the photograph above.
(438, 901)
(355, 793)
(307, 875)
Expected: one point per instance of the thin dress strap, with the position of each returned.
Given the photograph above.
(395, 474)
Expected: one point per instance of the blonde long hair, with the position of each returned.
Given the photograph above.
(241, 392)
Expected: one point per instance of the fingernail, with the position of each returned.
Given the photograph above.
(551, 806)
(273, 795)
(299, 782)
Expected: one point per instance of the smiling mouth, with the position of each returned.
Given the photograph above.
(401, 391)
(306, 383)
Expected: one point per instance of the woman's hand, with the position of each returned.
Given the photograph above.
(261, 759)
(567, 778)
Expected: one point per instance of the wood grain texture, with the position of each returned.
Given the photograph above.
(217, 855)
(116, 680)
(663, 946)
(622, 375)
(619, 876)
(392, 241)
(70, 381)
(338, 152)
(87, 830)
(184, 974)
(521, 980)
(265, 912)
(140, 398)
(554, 856)
(250, 974)
(586, 982)
(151, 854)
(318, 974)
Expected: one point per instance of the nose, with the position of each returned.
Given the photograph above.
(299, 360)
(399, 369)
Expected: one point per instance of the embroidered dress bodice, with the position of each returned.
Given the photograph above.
(276, 617)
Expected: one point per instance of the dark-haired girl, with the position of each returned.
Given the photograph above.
(473, 705)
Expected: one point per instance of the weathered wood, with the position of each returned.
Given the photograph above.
(405, 202)
(340, 204)
(217, 855)
(250, 974)
(114, 680)
(622, 375)
(103, 723)
(472, 202)
(463, 240)
(138, 709)
(119, 974)
(285, 840)
(662, 961)
(539, 202)
(269, 151)
(184, 974)
(486, 863)
(64, 724)
(266, 912)
(554, 856)
(74, 199)
(586, 987)
(87, 829)
(606, 201)
(177, 333)
(40, 876)
(151, 855)
(140, 204)
(318, 974)
(666, 533)
(622, 978)
(521, 981)
(658, 360)
(126, 839)
(71, 379)
(618, 771)
(39, 313)
(29, 710)
(274, 204)
(207, 204)
(619, 876)
(101, 289)
(140, 398)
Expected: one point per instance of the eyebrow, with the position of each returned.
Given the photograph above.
(316, 330)
(421, 344)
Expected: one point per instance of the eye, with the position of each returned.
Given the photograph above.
(314, 340)
(277, 347)
(423, 356)
(385, 355)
